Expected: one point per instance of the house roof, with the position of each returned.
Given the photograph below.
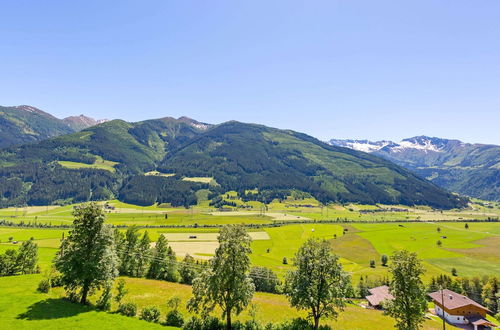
(378, 295)
(453, 300)
(480, 321)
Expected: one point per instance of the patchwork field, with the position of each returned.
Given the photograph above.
(201, 245)
(473, 252)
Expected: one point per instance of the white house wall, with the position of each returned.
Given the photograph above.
(456, 319)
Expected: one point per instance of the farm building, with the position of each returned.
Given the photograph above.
(378, 295)
(459, 309)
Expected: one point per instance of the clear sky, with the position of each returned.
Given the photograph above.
(332, 69)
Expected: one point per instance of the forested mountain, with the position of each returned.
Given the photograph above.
(111, 160)
(26, 124)
(468, 169)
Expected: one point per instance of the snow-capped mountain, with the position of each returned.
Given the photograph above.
(422, 143)
(361, 145)
(469, 169)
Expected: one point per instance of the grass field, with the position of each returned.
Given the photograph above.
(21, 307)
(99, 163)
(473, 251)
(253, 212)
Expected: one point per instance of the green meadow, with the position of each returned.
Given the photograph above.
(21, 307)
(473, 252)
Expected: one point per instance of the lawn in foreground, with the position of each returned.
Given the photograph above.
(21, 307)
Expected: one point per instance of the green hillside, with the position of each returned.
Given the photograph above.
(25, 124)
(235, 156)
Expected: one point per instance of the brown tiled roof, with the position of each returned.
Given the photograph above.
(378, 295)
(480, 321)
(454, 300)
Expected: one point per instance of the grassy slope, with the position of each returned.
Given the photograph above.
(21, 307)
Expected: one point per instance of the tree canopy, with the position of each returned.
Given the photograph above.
(87, 258)
(226, 282)
(409, 304)
(318, 283)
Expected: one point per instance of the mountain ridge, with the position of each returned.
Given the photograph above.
(27, 124)
(472, 169)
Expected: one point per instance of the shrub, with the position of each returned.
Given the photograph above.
(44, 286)
(298, 324)
(285, 261)
(56, 281)
(150, 314)
(372, 263)
(127, 309)
(264, 279)
(174, 319)
(384, 259)
(104, 302)
(454, 272)
(193, 323)
(121, 291)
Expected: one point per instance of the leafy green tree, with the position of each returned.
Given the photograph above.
(490, 294)
(8, 263)
(27, 257)
(187, 270)
(143, 255)
(160, 261)
(226, 282)
(172, 273)
(129, 253)
(318, 284)
(87, 258)
(409, 304)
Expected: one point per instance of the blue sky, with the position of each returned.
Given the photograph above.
(332, 69)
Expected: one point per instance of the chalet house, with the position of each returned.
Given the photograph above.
(459, 309)
(378, 295)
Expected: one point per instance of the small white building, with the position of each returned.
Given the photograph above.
(459, 309)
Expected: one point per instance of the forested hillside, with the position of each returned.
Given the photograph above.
(26, 124)
(116, 158)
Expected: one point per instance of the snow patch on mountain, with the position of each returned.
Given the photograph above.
(361, 145)
(422, 143)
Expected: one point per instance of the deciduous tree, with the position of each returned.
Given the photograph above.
(409, 304)
(318, 284)
(226, 282)
(87, 258)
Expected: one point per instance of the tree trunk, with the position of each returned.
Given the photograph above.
(228, 319)
(85, 292)
(316, 322)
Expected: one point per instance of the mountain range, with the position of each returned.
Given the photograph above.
(25, 124)
(469, 169)
(161, 161)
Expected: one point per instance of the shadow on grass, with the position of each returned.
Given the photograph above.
(53, 309)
